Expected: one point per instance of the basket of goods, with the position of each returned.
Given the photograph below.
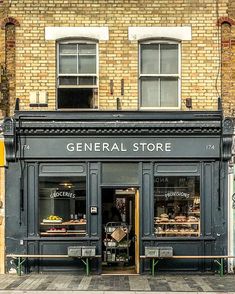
(53, 219)
(110, 243)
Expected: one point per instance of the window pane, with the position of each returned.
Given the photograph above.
(68, 49)
(68, 64)
(150, 93)
(87, 48)
(87, 64)
(177, 206)
(68, 81)
(87, 80)
(169, 58)
(120, 173)
(169, 92)
(149, 59)
(62, 206)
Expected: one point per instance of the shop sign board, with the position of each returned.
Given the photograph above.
(120, 147)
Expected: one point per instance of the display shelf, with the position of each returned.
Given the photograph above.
(165, 226)
(61, 233)
(177, 233)
(70, 228)
(176, 223)
(63, 224)
(120, 243)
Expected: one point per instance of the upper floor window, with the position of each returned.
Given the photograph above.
(77, 67)
(159, 75)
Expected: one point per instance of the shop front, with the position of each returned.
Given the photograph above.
(118, 181)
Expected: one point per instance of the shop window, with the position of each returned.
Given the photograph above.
(159, 75)
(62, 206)
(177, 206)
(77, 75)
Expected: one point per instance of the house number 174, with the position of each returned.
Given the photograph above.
(210, 147)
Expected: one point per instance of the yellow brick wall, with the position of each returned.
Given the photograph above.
(36, 58)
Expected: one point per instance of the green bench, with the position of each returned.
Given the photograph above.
(218, 259)
(21, 258)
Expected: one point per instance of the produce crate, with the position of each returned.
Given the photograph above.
(152, 251)
(75, 251)
(88, 251)
(165, 251)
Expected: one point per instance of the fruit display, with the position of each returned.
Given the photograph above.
(53, 218)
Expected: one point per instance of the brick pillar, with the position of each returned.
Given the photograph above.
(226, 56)
(10, 65)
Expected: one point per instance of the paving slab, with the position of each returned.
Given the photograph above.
(138, 284)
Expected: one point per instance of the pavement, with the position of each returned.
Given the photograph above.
(107, 284)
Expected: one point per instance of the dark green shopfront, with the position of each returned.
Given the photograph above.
(118, 181)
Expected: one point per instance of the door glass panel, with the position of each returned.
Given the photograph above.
(62, 206)
(177, 206)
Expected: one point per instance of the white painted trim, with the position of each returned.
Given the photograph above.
(56, 33)
(176, 33)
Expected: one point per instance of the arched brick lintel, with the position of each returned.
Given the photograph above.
(9, 20)
(225, 19)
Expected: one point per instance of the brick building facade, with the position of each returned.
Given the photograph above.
(33, 63)
(33, 34)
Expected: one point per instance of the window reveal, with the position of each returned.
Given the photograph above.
(177, 206)
(62, 206)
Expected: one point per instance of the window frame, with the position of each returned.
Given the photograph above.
(178, 76)
(58, 75)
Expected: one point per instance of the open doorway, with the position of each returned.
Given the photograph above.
(120, 227)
